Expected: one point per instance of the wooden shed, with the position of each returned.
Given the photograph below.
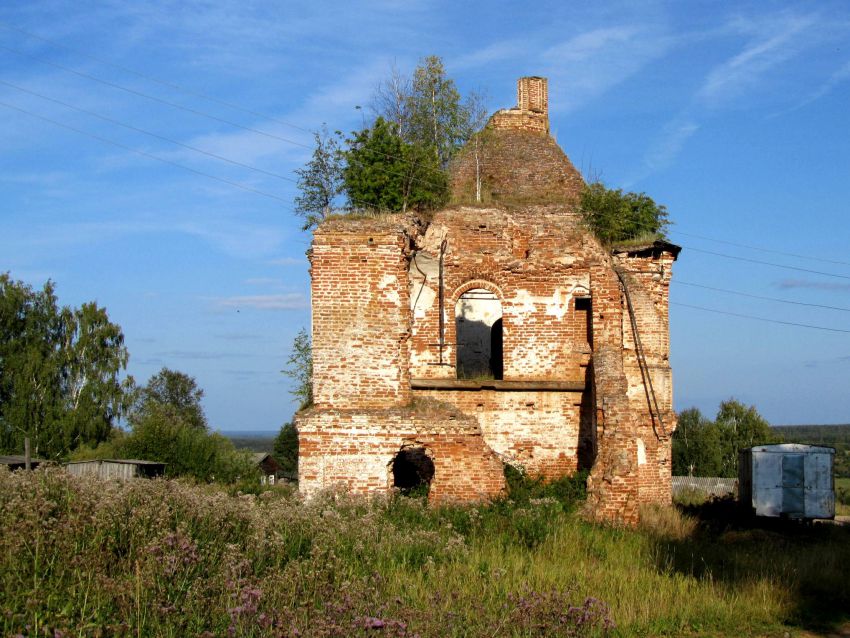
(18, 462)
(117, 468)
(271, 470)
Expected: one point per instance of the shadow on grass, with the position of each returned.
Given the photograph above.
(809, 561)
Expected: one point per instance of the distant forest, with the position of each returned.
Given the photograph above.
(837, 436)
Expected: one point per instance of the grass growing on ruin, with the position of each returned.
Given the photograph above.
(166, 558)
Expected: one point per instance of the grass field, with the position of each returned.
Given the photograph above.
(167, 558)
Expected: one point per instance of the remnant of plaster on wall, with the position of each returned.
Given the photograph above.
(523, 302)
(559, 304)
(387, 285)
(565, 260)
(641, 452)
(422, 300)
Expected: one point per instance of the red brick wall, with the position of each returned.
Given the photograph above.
(360, 300)
(538, 431)
(532, 94)
(355, 450)
(535, 260)
(518, 163)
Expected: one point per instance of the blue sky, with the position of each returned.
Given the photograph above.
(734, 115)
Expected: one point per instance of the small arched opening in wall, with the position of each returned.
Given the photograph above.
(478, 331)
(412, 471)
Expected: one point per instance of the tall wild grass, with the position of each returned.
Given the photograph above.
(81, 557)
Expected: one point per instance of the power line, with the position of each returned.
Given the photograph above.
(156, 135)
(153, 97)
(151, 78)
(143, 153)
(764, 250)
(766, 263)
(204, 114)
(736, 314)
(105, 140)
(745, 294)
(272, 118)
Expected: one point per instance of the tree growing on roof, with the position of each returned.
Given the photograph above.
(320, 181)
(616, 216)
(386, 173)
(399, 161)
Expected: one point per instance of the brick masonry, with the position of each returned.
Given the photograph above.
(387, 293)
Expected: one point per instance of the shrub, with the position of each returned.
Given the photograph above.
(615, 216)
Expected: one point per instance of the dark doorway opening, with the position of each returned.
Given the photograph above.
(413, 471)
(496, 364)
(478, 325)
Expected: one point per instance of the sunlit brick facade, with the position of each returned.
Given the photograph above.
(490, 334)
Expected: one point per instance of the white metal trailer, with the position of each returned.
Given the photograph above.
(789, 479)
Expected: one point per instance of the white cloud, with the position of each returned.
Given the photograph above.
(839, 76)
(286, 301)
(814, 285)
(587, 65)
(666, 148)
(774, 41)
(490, 54)
(287, 261)
(262, 281)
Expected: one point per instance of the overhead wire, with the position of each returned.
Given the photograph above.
(738, 314)
(200, 113)
(767, 263)
(150, 133)
(296, 143)
(269, 195)
(143, 153)
(121, 145)
(762, 249)
(679, 282)
(151, 78)
(237, 107)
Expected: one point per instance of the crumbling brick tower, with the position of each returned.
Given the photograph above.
(500, 331)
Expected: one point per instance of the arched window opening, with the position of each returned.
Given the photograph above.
(413, 471)
(478, 323)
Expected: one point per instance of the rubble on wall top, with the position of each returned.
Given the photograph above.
(645, 249)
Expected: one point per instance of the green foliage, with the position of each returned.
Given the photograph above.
(59, 371)
(300, 368)
(615, 216)
(696, 446)
(567, 490)
(398, 162)
(168, 425)
(739, 427)
(177, 391)
(386, 173)
(320, 181)
(438, 120)
(286, 448)
(710, 448)
(163, 434)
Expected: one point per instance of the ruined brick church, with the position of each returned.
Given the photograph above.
(495, 331)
